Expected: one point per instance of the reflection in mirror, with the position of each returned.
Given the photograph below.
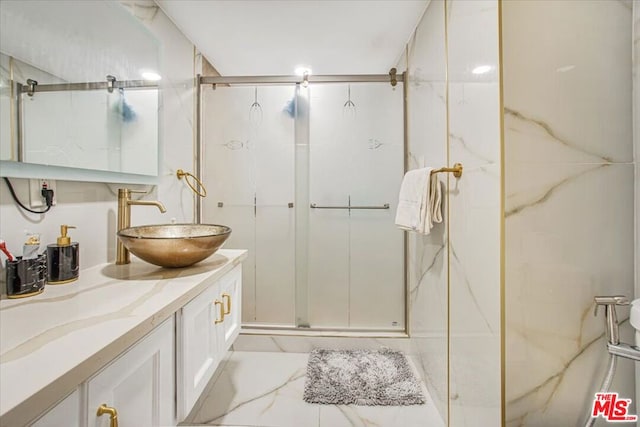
(58, 106)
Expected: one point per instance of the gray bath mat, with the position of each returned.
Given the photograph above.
(361, 377)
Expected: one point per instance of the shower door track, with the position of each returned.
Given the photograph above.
(347, 78)
(254, 329)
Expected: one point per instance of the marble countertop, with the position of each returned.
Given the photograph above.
(52, 342)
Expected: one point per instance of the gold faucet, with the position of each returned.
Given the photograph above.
(124, 218)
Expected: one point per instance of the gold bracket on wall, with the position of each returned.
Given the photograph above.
(456, 170)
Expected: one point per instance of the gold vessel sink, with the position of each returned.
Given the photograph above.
(174, 245)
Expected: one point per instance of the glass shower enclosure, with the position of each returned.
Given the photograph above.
(308, 179)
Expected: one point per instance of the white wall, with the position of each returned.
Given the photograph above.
(92, 206)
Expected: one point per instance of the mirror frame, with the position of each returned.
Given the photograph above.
(13, 169)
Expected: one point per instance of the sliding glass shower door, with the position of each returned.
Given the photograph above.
(356, 258)
(308, 180)
(249, 173)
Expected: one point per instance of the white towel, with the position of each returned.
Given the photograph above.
(435, 200)
(419, 205)
(414, 196)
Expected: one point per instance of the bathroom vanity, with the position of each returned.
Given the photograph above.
(136, 338)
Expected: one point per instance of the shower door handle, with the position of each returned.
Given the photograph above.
(314, 206)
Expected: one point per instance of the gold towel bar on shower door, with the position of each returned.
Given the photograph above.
(456, 170)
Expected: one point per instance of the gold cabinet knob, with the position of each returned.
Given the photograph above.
(227, 298)
(107, 410)
(221, 312)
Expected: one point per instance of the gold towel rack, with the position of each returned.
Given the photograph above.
(456, 170)
(182, 174)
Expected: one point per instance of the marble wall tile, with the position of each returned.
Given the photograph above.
(92, 206)
(474, 213)
(552, 275)
(475, 380)
(428, 255)
(569, 202)
(577, 94)
(472, 29)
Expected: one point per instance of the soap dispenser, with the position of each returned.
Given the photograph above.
(63, 258)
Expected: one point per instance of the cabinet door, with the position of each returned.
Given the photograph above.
(230, 292)
(139, 384)
(198, 344)
(65, 414)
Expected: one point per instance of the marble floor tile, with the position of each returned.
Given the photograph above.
(265, 389)
(260, 389)
(380, 416)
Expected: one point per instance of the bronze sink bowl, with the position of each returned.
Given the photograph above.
(174, 245)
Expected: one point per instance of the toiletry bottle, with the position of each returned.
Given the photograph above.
(63, 259)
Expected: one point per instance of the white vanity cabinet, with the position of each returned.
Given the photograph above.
(207, 326)
(139, 384)
(145, 344)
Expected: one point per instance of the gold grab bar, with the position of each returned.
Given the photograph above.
(314, 206)
(456, 170)
(254, 205)
(107, 410)
(182, 174)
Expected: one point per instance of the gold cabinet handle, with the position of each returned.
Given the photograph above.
(227, 297)
(113, 414)
(221, 312)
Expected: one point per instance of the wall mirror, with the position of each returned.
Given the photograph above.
(78, 92)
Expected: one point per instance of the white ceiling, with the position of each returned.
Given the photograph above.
(258, 37)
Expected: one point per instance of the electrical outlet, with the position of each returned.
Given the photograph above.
(35, 191)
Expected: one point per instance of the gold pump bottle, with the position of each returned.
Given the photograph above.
(63, 259)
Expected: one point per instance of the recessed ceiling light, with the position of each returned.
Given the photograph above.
(150, 75)
(482, 69)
